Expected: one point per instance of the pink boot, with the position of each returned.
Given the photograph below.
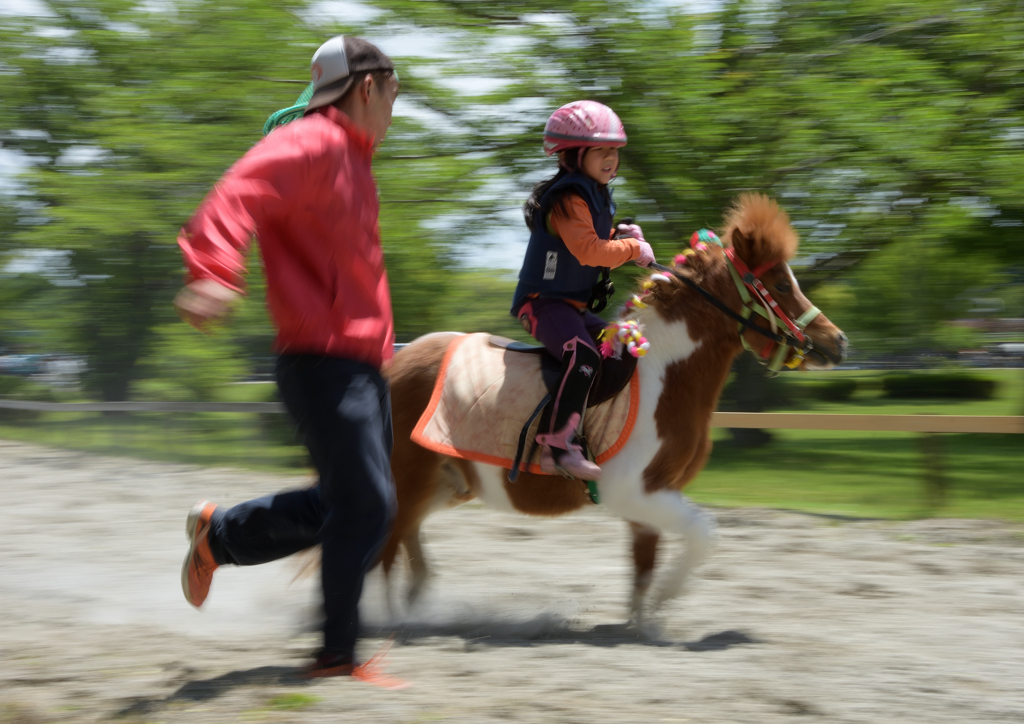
(561, 455)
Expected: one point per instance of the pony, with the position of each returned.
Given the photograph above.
(697, 319)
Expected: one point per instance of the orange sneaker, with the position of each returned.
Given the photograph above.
(329, 665)
(197, 570)
(372, 672)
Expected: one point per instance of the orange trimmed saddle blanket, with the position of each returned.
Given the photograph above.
(484, 394)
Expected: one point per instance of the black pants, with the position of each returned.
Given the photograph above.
(343, 409)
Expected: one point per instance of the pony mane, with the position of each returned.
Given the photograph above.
(759, 230)
(761, 234)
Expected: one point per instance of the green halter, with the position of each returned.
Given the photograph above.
(279, 118)
(788, 337)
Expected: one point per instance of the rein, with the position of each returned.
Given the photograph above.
(756, 299)
(743, 321)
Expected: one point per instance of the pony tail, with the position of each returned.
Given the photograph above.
(568, 161)
(532, 205)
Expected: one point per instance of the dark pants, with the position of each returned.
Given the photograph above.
(553, 322)
(343, 409)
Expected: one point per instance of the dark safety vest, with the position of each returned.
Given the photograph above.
(550, 270)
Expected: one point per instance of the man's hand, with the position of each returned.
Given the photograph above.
(204, 301)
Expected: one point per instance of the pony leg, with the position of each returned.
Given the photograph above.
(418, 569)
(451, 483)
(669, 511)
(645, 548)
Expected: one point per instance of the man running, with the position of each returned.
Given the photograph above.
(307, 192)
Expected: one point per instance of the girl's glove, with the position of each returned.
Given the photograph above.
(646, 257)
(630, 230)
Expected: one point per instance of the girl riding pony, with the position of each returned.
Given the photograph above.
(570, 217)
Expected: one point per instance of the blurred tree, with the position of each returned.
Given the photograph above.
(880, 126)
(130, 114)
(183, 364)
(873, 123)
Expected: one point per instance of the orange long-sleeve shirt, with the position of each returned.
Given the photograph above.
(573, 223)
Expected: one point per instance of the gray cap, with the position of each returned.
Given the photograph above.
(336, 64)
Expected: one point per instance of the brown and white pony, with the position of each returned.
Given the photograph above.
(692, 347)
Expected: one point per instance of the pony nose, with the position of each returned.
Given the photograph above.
(841, 344)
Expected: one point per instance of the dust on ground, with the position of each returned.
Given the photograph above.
(795, 618)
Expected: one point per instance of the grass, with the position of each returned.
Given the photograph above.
(293, 702)
(867, 475)
(257, 441)
(846, 473)
(207, 439)
(874, 474)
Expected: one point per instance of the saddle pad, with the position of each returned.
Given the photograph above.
(485, 394)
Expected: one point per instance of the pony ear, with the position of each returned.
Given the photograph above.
(751, 249)
(740, 242)
(760, 231)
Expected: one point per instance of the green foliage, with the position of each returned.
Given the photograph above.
(840, 390)
(873, 475)
(890, 132)
(901, 298)
(938, 385)
(158, 109)
(293, 702)
(20, 388)
(163, 103)
(182, 364)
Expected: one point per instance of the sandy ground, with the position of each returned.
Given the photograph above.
(796, 617)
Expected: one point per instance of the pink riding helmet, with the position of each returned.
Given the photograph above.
(583, 124)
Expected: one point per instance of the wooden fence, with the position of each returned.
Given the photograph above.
(929, 427)
(761, 420)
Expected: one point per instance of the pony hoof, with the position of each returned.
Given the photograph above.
(651, 630)
(662, 597)
(415, 593)
(646, 628)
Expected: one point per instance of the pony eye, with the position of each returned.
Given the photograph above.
(783, 287)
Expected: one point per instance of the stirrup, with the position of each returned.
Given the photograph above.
(571, 464)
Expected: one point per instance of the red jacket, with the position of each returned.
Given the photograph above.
(307, 192)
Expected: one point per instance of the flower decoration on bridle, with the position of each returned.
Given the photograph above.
(622, 335)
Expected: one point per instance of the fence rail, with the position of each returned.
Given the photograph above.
(761, 420)
(870, 423)
(142, 406)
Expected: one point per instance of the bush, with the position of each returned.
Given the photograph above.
(182, 365)
(19, 388)
(942, 385)
(10, 386)
(839, 390)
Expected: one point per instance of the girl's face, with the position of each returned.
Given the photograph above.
(600, 163)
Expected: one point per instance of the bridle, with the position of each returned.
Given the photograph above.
(756, 300)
